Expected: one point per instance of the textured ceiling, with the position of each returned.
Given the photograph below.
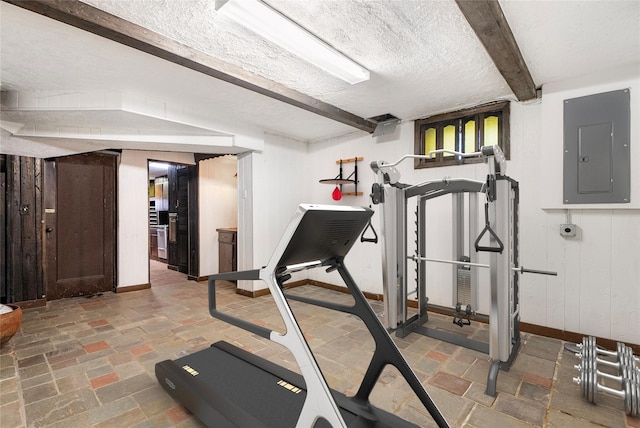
(564, 39)
(410, 48)
(423, 58)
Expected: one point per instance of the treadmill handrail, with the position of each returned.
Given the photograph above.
(248, 275)
(235, 276)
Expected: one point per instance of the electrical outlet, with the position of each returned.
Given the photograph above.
(568, 229)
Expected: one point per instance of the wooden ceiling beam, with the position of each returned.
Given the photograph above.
(101, 23)
(490, 25)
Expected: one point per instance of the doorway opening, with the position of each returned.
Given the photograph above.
(163, 222)
(195, 209)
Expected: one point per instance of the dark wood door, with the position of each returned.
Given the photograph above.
(21, 230)
(172, 248)
(80, 225)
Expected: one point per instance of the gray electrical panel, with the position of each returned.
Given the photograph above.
(597, 161)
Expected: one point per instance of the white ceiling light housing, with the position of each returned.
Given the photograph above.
(277, 28)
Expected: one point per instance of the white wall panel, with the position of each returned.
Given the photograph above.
(133, 213)
(279, 185)
(571, 272)
(595, 273)
(133, 219)
(550, 304)
(525, 162)
(245, 216)
(625, 274)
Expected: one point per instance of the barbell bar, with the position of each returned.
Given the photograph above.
(451, 262)
(520, 269)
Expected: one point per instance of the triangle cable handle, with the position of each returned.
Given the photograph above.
(375, 235)
(369, 226)
(487, 228)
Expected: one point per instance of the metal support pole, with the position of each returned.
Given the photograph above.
(473, 255)
(457, 211)
(503, 228)
(494, 313)
(422, 252)
(393, 260)
(401, 236)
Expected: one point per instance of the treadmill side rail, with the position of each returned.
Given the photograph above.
(238, 322)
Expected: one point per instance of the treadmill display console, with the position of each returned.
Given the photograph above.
(324, 234)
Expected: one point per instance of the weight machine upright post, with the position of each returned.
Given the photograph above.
(473, 256)
(504, 273)
(402, 255)
(394, 256)
(422, 265)
(494, 313)
(502, 323)
(457, 211)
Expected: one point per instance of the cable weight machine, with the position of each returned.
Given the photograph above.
(499, 238)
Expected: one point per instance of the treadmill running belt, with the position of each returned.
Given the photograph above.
(225, 386)
(232, 381)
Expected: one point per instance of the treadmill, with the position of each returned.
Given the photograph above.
(225, 386)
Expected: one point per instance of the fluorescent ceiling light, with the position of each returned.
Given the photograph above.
(272, 25)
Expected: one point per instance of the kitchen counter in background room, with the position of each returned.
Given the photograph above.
(227, 249)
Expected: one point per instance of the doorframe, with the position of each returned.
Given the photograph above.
(194, 274)
(50, 205)
(192, 219)
(245, 238)
(193, 271)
